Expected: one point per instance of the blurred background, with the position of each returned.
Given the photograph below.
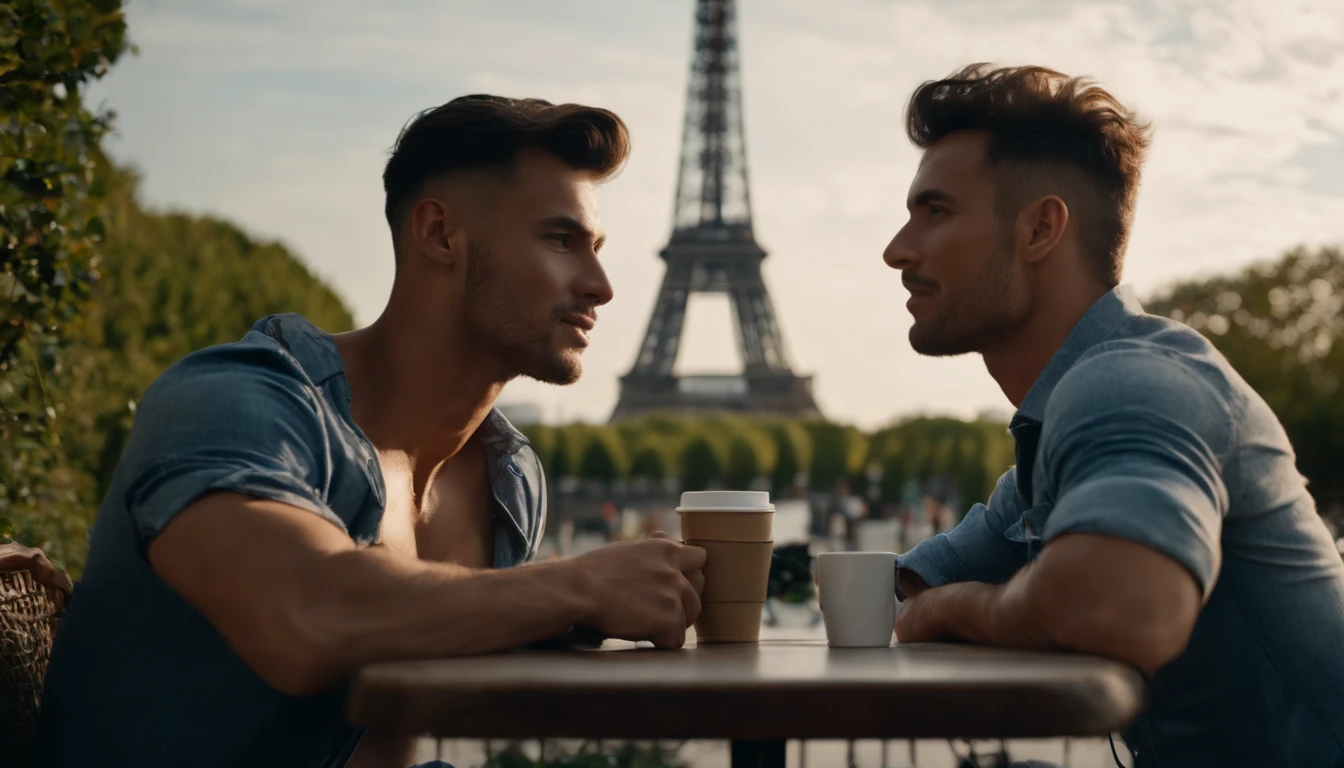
(161, 197)
(172, 171)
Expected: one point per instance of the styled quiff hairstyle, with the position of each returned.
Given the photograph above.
(1048, 133)
(482, 132)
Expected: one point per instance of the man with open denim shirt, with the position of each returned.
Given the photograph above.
(1155, 514)
(294, 505)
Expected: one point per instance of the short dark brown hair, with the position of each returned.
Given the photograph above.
(486, 132)
(1048, 133)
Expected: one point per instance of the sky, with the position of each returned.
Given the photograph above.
(279, 116)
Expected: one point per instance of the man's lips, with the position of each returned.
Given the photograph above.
(583, 322)
(919, 288)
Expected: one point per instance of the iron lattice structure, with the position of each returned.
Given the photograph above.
(713, 249)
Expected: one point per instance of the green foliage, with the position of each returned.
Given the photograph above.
(736, 452)
(838, 451)
(793, 453)
(1281, 325)
(751, 456)
(51, 232)
(170, 284)
(561, 462)
(701, 464)
(649, 462)
(744, 462)
(603, 457)
(969, 454)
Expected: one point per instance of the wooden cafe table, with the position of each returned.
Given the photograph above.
(756, 695)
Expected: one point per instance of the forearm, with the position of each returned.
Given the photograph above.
(372, 604)
(1001, 615)
(1069, 600)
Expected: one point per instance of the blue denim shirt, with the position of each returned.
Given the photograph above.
(1139, 428)
(139, 676)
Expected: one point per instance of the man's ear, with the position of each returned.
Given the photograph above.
(1040, 227)
(434, 224)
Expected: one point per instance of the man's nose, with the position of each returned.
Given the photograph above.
(593, 285)
(900, 252)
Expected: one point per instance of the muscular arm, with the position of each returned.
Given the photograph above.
(1092, 594)
(304, 607)
(1134, 444)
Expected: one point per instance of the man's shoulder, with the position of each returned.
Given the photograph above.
(1151, 357)
(1164, 376)
(251, 382)
(263, 355)
(237, 367)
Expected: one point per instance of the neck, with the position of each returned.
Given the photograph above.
(418, 386)
(1017, 361)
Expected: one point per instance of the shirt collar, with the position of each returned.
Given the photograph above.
(1114, 309)
(500, 437)
(310, 345)
(317, 354)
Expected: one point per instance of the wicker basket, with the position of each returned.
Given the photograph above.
(28, 620)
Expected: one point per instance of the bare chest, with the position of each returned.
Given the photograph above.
(451, 521)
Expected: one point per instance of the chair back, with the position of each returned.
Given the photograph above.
(28, 621)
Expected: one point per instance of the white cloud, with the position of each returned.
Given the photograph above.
(278, 115)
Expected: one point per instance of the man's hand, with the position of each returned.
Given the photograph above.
(911, 583)
(933, 613)
(644, 590)
(16, 557)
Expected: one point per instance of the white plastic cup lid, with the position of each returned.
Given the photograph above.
(726, 501)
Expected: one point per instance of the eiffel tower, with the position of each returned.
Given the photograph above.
(713, 250)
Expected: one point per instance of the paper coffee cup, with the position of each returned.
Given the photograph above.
(729, 622)
(727, 516)
(735, 571)
(735, 528)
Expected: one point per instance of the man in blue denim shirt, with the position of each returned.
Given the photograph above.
(292, 506)
(1155, 514)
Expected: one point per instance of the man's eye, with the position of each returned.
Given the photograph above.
(934, 210)
(562, 238)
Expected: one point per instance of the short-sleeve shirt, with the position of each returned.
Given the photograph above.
(1139, 429)
(140, 677)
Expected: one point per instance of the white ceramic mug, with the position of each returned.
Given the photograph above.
(858, 598)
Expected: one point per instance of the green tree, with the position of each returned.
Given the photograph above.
(51, 232)
(649, 462)
(170, 284)
(793, 453)
(838, 451)
(970, 474)
(751, 455)
(603, 458)
(1281, 325)
(561, 464)
(701, 464)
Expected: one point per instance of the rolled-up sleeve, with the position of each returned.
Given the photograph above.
(240, 419)
(977, 549)
(1134, 444)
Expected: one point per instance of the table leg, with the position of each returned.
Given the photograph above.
(758, 754)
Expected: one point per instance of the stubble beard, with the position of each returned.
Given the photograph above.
(496, 321)
(977, 318)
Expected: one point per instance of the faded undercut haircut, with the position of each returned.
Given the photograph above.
(482, 132)
(1048, 133)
